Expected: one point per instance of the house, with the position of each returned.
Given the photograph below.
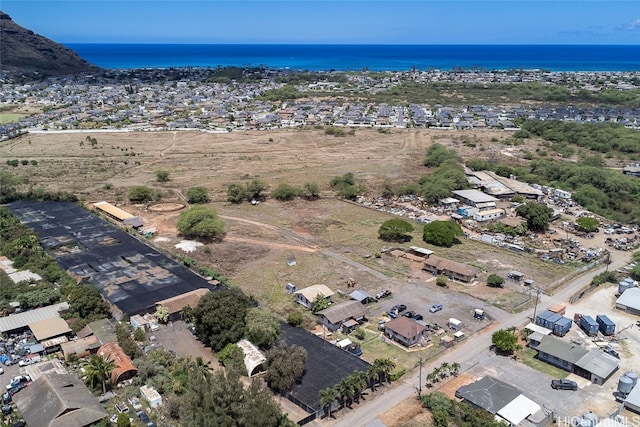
(124, 368)
(594, 365)
(406, 331)
(151, 395)
(345, 315)
(488, 215)
(59, 400)
(452, 269)
(177, 303)
(476, 198)
(307, 295)
(504, 401)
(49, 328)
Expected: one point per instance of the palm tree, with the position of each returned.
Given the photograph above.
(98, 369)
(436, 374)
(373, 376)
(345, 390)
(455, 368)
(430, 379)
(359, 382)
(385, 366)
(444, 367)
(327, 396)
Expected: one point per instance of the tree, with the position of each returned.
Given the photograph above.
(284, 366)
(455, 368)
(255, 187)
(395, 230)
(346, 186)
(327, 397)
(345, 391)
(123, 420)
(235, 193)
(162, 313)
(384, 366)
(197, 195)
(310, 191)
(262, 329)
(438, 154)
(140, 193)
(98, 370)
(294, 318)
(162, 176)
(201, 222)
(505, 341)
(359, 383)
(285, 192)
(495, 281)
(587, 224)
(319, 303)
(537, 215)
(220, 317)
(232, 357)
(442, 281)
(442, 233)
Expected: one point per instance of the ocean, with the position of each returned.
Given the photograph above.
(365, 57)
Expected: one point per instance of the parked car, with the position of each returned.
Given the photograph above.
(564, 385)
(20, 423)
(409, 313)
(1, 370)
(610, 351)
(435, 308)
(6, 409)
(143, 416)
(7, 397)
(418, 316)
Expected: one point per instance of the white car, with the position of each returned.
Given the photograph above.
(1, 370)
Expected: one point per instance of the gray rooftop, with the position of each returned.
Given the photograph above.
(488, 393)
(475, 196)
(599, 363)
(561, 349)
(630, 298)
(21, 320)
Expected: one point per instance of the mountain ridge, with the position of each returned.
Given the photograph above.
(22, 50)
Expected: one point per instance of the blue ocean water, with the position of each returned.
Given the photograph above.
(371, 57)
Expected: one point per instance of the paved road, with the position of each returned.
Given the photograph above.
(467, 354)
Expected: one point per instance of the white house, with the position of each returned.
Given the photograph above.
(151, 395)
(307, 295)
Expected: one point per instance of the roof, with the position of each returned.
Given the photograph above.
(536, 328)
(49, 328)
(177, 303)
(129, 274)
(311, 292)
(52, 366)
(113, 210)
(360, 296)
(598, 363)
(489, 394)
(326, 365)
(59, 400)
(22, 320)
(123, 365)
(423, 251)
(253, 357)
(519, 409)
(440, 263)
(342, 311)
(80, 346)
(633, 398)
(630, 298)
(561, 349)
(405, 327)
(104, 330)
(474, 196)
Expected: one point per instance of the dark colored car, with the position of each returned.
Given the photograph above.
(564, 385)
(7, 397)
(409, 313)
(610, 351)
(20, 423)
(418, 316)
(7, 409)
(143, 416)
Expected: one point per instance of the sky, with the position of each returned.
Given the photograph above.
(331, 22)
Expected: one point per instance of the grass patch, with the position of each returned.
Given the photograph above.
(10, 117)
(528, 357)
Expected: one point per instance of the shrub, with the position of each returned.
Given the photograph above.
(495, 281)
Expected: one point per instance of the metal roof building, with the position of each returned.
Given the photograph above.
(24, 319)
(49, 328)
(629, 301)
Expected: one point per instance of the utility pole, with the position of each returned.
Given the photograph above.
(535, 308)
(420, 379)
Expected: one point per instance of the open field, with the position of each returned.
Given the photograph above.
(332, 240)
